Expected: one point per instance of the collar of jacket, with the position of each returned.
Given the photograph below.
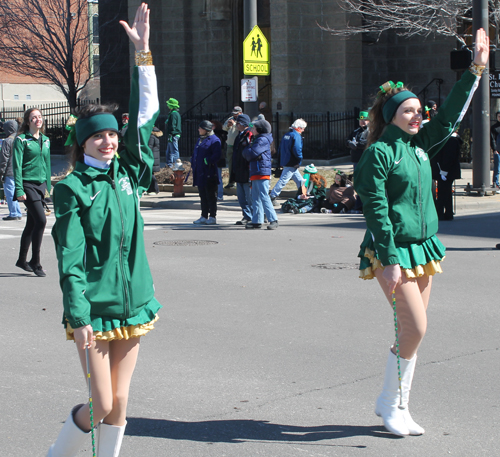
(29, 135)
(393, 133)
(91, 171)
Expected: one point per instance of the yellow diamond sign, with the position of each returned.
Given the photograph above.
(256, 53)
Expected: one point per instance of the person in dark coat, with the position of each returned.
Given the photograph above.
(356, 141)
(258, 153)
(240, 171)
(206, 154)
(222, 135)
(494, 134)
(445, 169)
(154, 145)
(7, 172)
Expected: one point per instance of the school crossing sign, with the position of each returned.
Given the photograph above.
(256, 53)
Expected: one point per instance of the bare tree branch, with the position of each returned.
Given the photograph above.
(408, 18)
(47, 39)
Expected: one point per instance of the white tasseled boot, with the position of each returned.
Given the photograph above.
(406, 379)
(70, 439)
(110, 440)
(388, 402)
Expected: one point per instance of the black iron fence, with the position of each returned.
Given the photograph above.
(54, 115)
(324, 137)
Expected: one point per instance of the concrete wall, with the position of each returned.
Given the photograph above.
(311, 69)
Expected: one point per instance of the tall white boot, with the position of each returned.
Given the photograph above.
(70, 439)
(110, 440)
(406, 379)
(388, 402)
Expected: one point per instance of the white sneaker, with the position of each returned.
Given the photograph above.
(211, 221)
(201, 220)
(326, 211)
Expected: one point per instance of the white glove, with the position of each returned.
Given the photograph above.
(443, 177)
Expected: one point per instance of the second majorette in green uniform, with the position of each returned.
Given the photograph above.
(400, 248)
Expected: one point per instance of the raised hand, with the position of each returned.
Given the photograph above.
(139, 32)
(481, 48)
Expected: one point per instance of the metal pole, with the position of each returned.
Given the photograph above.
(249, 22)
(481, 111)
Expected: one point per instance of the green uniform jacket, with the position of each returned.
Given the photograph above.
(30, 163)
(394, 180)
(173, 124)
(103, 269)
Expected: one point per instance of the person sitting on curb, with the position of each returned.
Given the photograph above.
(290, 159)
(341, 196)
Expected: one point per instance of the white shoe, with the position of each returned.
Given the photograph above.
(201, 220)
(326, 211)
(211, 221)
(110, 440)
(70, 438)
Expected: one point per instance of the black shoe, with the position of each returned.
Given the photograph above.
(253, 226)
(24, 266)
(498, 246)
(242, 222)
(38, 270)
(229, 185)
(273, 225)
(11, 218)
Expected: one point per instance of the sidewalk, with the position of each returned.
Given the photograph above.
(164, 199)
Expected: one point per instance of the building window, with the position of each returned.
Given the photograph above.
(16, 97)
(28, 97)
(95, 59)
(95, 29)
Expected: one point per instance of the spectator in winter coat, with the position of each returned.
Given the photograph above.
(7, 173)
(240, 171)
(232, 132)
(173, 131)
(222, 135)
(204, 166)
(154, 145)
(356, 141)
(494, 134)
(290, 159)
(445, 169)
(258, 153)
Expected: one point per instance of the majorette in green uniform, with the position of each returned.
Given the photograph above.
(400, 248)
(107, 286)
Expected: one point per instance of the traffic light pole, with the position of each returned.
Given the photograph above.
(481, 178)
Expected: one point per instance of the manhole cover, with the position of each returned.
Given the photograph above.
(337, 266)
(185, 243)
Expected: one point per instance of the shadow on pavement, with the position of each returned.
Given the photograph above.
(238, 431)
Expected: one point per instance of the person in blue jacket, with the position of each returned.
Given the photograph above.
(290, 158)
(206, 154)
(258, 153)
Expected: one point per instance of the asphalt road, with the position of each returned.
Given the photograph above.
(268, 345)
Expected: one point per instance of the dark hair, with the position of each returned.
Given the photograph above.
(76, 151)
(25, 126)
(377, 122)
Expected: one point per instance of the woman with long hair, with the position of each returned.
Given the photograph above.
(400, 248)
(31, 165)
(108, 292)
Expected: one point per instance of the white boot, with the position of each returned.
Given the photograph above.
(388, 402)
(110, 440)
(406, 379)
(70, 438)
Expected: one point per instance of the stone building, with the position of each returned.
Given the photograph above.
(197, 50)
